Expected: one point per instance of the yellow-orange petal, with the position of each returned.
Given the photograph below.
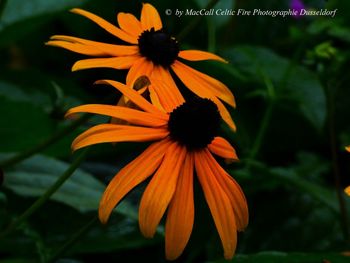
(232, 190)
(114, 62)
(106, 26)
(155, 99)
(180, 217)
(160, 190)
(150, 17)
(105, 48)
(347, 190)
(141, 67)
(168, 93)
(130, 115)
(347, 148)
(197, 55)
(120, 133)
(194, 79)
(135, 97)
(129, 24)
(223, 148)
(130, 176)
(76, 47)
(219, 205)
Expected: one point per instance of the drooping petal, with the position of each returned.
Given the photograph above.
(223, 148)
(150, 17)
(106, 26)
(197, 55)
(114, 62)
(180, 217)
(120, 133)
(129, 24)
(219, 205)
(130, 176)
(195, 80)
(141, 67)
(135, 97)
(168, 93)
(77, 48)
(160, 190)
(155, 99)
(130, 115)
(232, 190)
(104, 48)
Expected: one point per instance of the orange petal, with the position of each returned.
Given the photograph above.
(194, 79)
(142, 67)
(180, 217)
(135, 97)
(119, 133)
(132, 116)
(219, 205)
(129, 24)
(78, 48)
(197, 55)
(232, 190)
(130, 176)
(347, 148)
(347, 190)
(104, 48)
(116, 63)
(160, 190)
(106, 26)
(223, 148)
(164, 85)
(150, 18)
(155, 99)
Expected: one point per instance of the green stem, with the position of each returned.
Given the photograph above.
(194, 22)
(44, 144)
(262, 131)
(42, 200)
(70, 242)
(211, 36)
(335, 166)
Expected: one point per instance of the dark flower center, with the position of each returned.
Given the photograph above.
(195, 123)
(159, 47)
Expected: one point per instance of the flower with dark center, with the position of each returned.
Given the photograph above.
(159, 47)
(183, 142)
(195, 124)
(152, 52)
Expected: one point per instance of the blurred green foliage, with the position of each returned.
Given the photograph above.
(285, 74)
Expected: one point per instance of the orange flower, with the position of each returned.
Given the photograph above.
(153, 52)
(183, 141)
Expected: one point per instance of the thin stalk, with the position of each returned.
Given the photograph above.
(195, 21)
(44, 144)
(71, 241)
(335, 163)
(45, 197)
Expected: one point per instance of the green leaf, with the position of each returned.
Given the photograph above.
(19, 18)
(274, 256)
(18, 11)
(35, 175)
(293, 83)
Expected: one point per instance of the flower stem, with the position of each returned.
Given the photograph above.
(335, 165)
(42, 200)
(194, 22)
(44, 144)
(71, 241)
